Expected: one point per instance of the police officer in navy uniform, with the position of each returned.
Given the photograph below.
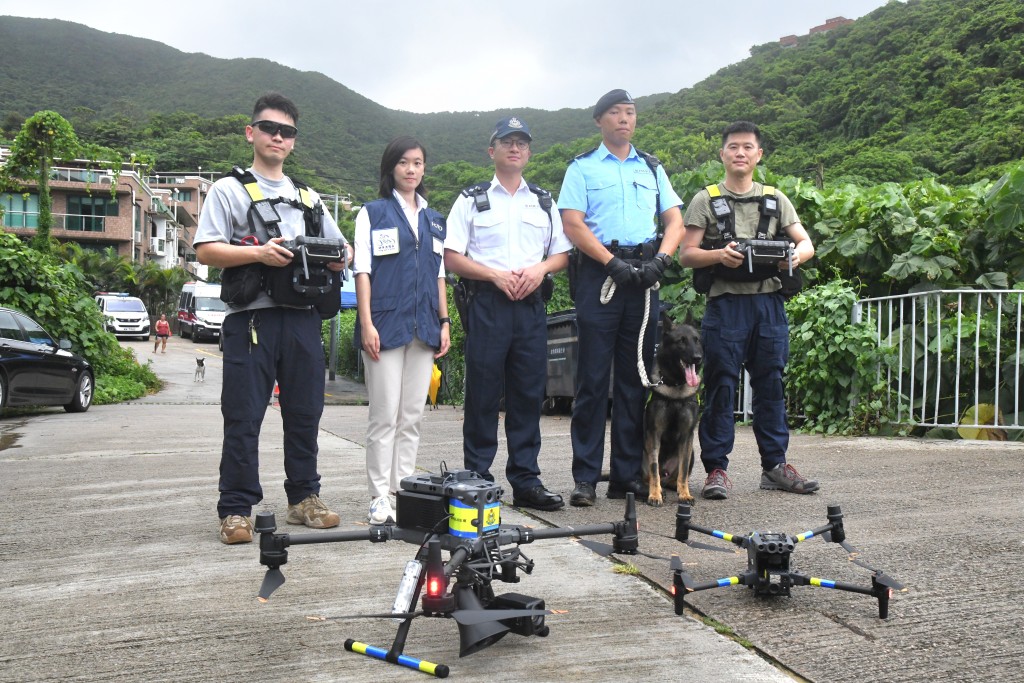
(611, 200)
(504, 237)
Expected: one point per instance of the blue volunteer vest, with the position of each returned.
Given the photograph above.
(403, 285)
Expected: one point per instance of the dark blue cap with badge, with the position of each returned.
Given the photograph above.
(610, 99)
(509, 125)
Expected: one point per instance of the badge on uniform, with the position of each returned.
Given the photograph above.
(385, 242)
(439, 246)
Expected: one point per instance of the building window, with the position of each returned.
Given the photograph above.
(184, 195)
(87, 212)
(20, 210)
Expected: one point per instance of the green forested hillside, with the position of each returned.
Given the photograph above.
(912, 89)
(915, 89)
(117, 83)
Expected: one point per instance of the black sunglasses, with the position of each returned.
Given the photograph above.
(272, 128)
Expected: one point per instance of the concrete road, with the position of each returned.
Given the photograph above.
(112, 570)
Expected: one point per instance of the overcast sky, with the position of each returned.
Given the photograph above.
(469, 55)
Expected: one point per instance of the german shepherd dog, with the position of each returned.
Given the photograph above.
(670, 419)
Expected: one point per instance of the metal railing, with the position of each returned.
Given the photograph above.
(957, 355)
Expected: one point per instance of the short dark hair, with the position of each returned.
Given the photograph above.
(392, 155)
(277, 102)
(742, 127)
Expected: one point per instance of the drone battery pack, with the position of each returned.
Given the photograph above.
(464, 521)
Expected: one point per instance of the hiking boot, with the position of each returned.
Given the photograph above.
(584, 495)
(235, 529)
(717, 485)
(381, 511)
(313, 513)
(784, 477)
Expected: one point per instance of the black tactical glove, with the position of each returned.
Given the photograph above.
(653, 270)
(621, 272)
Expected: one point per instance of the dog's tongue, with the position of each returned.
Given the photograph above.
(692, 378)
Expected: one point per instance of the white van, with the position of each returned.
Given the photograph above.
(200, 311)
(125, 316)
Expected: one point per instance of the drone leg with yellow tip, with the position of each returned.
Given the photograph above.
(436, 670)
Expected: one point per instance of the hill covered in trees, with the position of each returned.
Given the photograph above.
(916, 89)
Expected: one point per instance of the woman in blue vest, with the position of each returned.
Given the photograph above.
(402, 323)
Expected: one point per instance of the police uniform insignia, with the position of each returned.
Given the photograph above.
(515, 123)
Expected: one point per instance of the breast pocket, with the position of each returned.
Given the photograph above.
(646, 193)
(488, 231)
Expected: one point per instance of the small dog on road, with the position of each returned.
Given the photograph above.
(671, 416)
(200, 375)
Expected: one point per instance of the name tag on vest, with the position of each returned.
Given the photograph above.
(385, 242)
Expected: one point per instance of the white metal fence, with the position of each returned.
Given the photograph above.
(956, 355)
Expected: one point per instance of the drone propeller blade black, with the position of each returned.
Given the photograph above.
(697, 544)
(602, 549)
(472, 617)
(272, 580)
(379, 615)
(606, 550)
(889, 582)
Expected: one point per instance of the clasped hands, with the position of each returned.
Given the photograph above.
(645, 277)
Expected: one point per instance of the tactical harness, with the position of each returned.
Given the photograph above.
(464, 289)
(297, 284)
(721, 207)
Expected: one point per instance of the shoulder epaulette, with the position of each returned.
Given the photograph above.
(587, 153)
(474, 190)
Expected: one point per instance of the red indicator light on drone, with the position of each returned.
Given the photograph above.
(434, 586)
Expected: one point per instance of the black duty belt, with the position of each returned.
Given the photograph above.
(639, 252)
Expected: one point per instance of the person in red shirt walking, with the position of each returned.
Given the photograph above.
(163, 331)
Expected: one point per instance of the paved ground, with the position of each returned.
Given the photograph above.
(112, 571)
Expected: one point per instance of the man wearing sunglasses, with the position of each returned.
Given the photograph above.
(264, 341)
(504, 237)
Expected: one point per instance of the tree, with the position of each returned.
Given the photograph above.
(45, 136)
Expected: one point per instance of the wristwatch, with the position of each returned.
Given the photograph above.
(445, 320)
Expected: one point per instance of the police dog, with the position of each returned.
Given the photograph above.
(200, 375)
(670, 419)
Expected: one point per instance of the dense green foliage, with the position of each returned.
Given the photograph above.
(925, 87)
(59, 295)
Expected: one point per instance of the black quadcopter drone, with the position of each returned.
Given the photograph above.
(768, 563)
(459, 512)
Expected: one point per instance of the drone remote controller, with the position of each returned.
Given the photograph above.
(766, 253)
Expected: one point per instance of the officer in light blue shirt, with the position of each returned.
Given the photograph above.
(623, 216)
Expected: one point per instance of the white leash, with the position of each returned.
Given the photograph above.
(607, 292)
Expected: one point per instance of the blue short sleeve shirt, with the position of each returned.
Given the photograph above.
(617, 197)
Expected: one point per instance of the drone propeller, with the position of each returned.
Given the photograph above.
(606, 550)
(272, 580)
(697, 544)
(466, 617)
(853, 555)
(677, 568)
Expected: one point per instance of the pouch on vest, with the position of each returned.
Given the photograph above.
(239, 286)
(291, 285)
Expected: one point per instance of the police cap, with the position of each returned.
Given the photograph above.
(509, 125)
(609, 99)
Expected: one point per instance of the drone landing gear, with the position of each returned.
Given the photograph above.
(768, 569)
(436, 670)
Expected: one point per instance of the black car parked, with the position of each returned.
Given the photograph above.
(36, 370)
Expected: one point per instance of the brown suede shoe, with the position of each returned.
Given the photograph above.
(313, 513)
(235, 529)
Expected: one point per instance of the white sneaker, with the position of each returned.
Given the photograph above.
(381, 511)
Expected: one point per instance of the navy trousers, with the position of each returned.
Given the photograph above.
(608, 335)
(506, 348)
(290, 351)
(737, 331)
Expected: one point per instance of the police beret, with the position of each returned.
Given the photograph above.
(609, 99)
